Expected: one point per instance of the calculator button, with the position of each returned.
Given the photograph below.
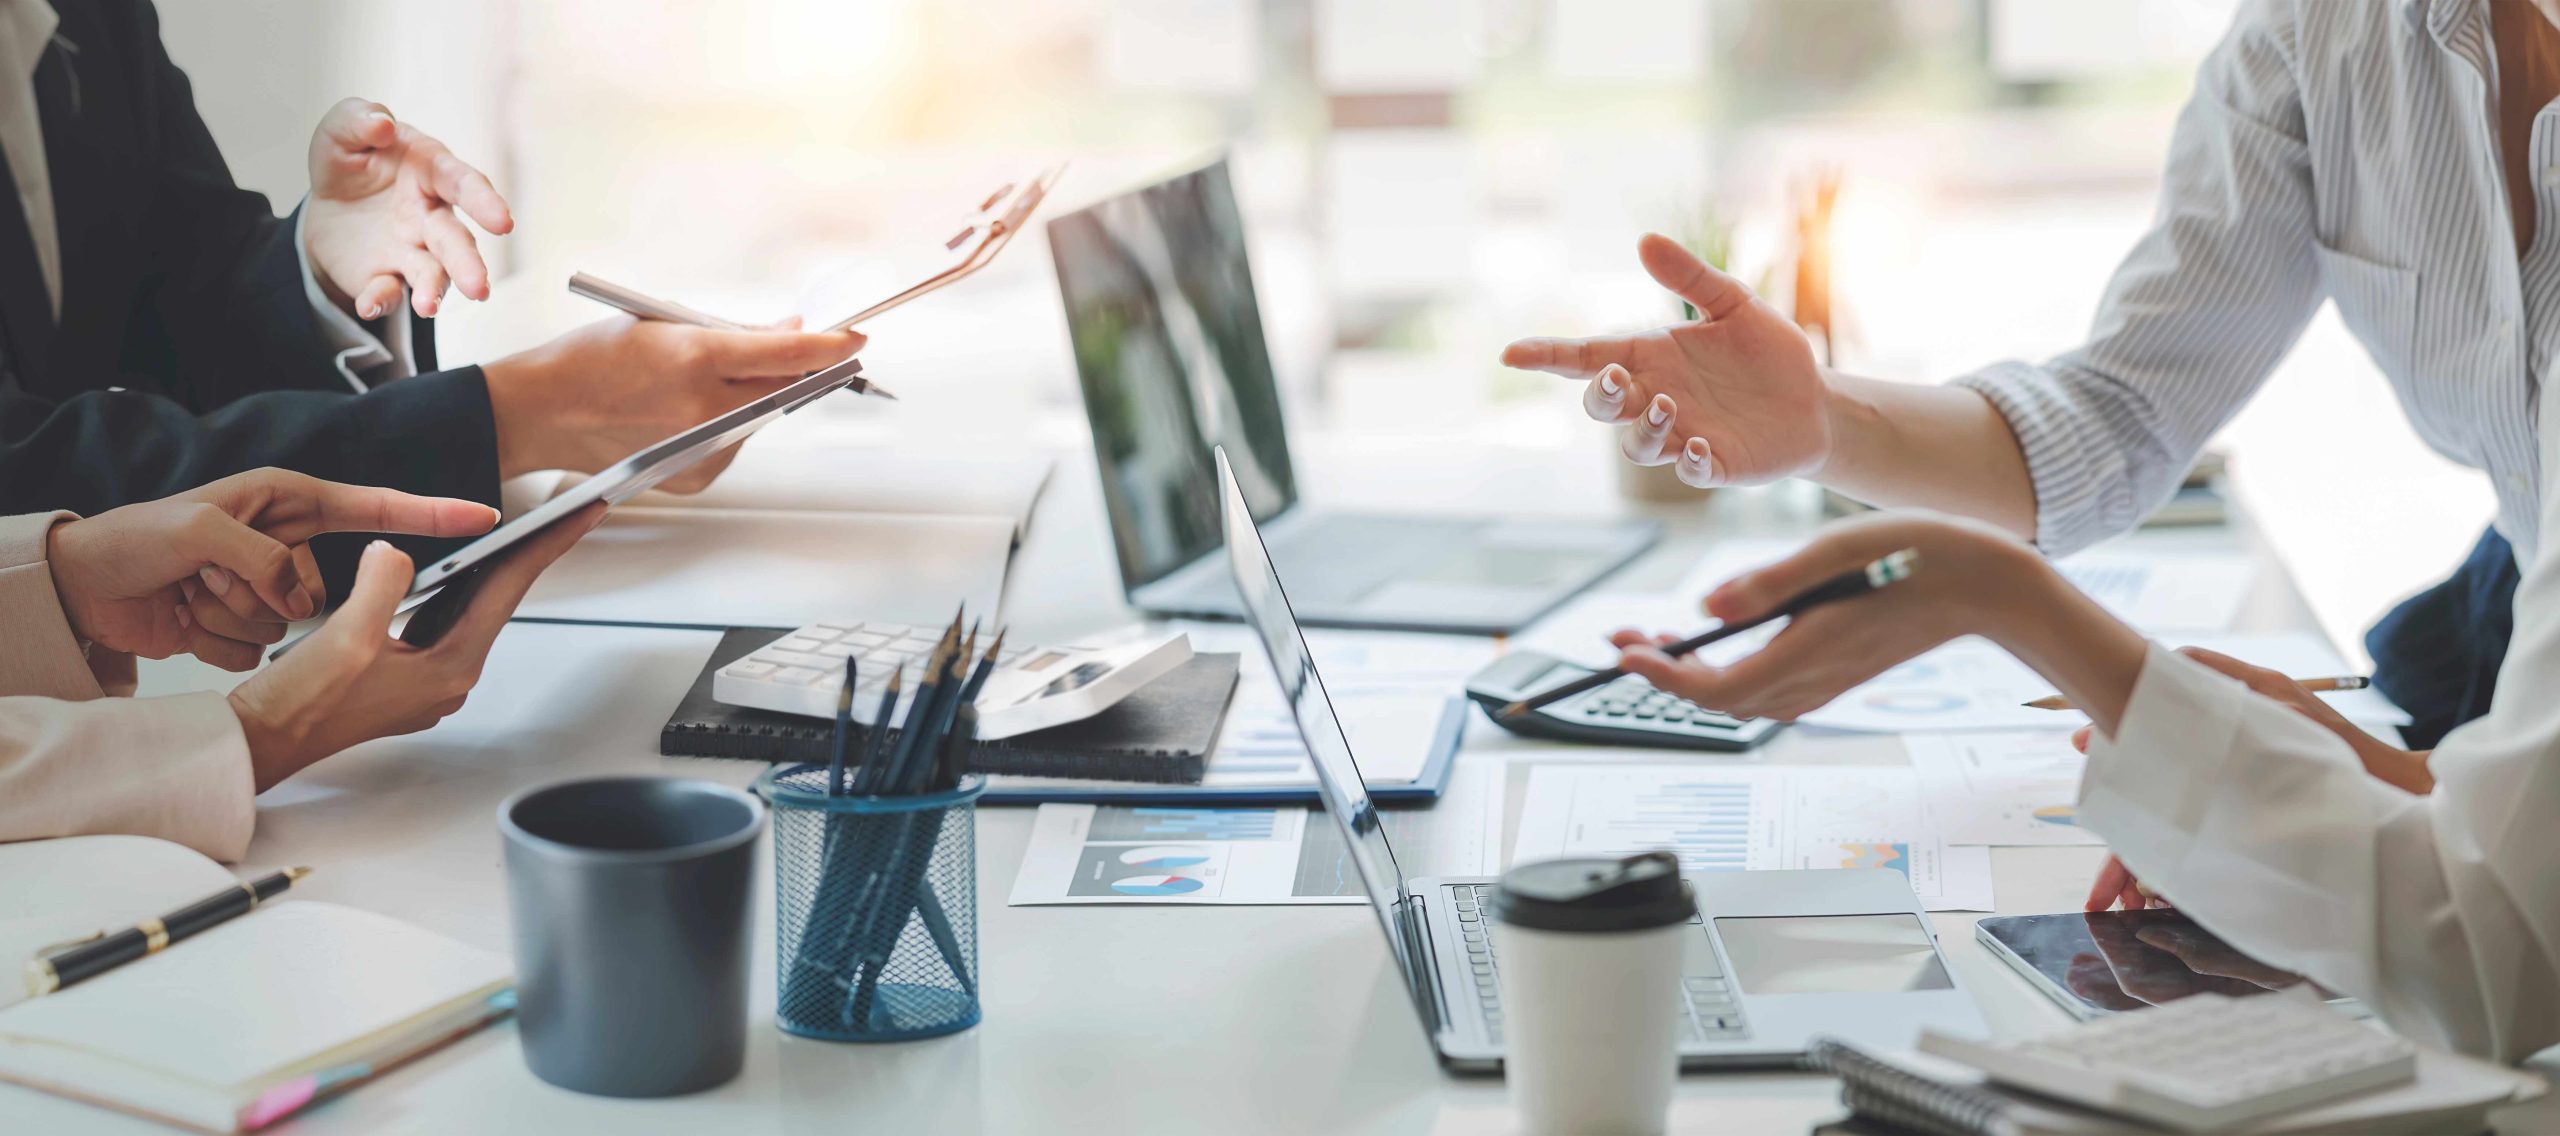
(796, 643)
(799, 676)
(1645, 712)
(749, 668)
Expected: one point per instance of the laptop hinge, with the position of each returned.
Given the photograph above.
(1420, 965)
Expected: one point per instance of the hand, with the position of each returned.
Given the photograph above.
(218, 571)
(590, 398)
(351, 682)
(382, 214)
(1734, 397)
(1972, 579)
(2404, 769)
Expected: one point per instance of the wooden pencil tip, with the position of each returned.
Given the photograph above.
(1513, 710)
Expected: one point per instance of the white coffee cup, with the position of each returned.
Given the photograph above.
(1588, 956)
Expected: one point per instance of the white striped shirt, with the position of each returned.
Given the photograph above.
(2345, 149)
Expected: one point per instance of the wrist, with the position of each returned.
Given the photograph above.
(2063, 635)
(62, 561)
(276, 741)
(528, 439)
(1849, 418)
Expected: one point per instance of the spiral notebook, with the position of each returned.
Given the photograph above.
(1161, 734)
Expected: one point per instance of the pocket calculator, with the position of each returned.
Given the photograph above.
(1626, 712)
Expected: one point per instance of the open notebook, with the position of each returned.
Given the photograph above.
(245, 1024)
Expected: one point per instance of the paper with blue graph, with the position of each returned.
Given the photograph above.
(1749, 819)
(1114, 854)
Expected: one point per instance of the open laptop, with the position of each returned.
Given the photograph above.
(1169, 350)
(1780, 957)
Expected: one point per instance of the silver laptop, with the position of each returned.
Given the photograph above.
(1169, 350)
(1780, 957)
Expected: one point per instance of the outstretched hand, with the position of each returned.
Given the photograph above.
(1733, 397)
(386, 210)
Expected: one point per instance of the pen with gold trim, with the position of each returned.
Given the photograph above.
(92, 957)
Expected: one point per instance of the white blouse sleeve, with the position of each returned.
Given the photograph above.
(2442, 912)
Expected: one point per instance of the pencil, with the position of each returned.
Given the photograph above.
(844, 731)
(2314, 685)
(1883, 571)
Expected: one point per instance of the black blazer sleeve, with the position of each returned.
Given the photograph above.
(186, 349)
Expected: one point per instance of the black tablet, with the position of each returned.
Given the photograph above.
(620, 482)
(2099, 962)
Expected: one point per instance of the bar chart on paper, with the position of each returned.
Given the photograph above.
(1753, 819)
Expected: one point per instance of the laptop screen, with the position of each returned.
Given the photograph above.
(1169, 351)
(1346, 794)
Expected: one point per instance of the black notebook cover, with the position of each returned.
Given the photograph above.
(1161, 733)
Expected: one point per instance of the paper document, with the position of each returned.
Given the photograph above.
(1728, 819)
(1969, 684)
(734, 567)
(2003, 787)
(1082, 854)
(2160, 591)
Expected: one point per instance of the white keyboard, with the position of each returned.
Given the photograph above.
(1031, 688)
(2205, 1062)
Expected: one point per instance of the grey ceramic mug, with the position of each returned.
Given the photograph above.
(630, 897)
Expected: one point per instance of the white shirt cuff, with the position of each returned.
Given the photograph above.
(358, 349)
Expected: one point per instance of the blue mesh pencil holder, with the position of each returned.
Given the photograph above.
(876, 909)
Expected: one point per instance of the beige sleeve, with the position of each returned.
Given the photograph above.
(43, 658)
(176, 768)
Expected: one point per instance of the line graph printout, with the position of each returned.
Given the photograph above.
(1753, 819)
(2002, 787)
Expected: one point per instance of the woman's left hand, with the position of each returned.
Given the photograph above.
(1972, 579)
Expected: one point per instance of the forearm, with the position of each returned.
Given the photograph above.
(2088, 654)
(1935, 447)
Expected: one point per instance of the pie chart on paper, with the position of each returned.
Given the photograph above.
(1165, 856)
(2065, 815)
(1155, 885)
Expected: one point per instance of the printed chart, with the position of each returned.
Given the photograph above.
(2007, 787)
(1752, 819)
(1116, 854)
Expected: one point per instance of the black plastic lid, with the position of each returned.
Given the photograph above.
(1596, 894)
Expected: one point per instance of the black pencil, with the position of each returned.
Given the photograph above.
(844, 731)
(1883, 571)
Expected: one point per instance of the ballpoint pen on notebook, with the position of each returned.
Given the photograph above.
(1879, 573)
(2314, 685)
(73, 964)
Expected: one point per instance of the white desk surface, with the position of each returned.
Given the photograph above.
(1116, 1020)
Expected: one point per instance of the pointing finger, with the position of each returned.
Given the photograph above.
(464, 187)
(1570, 358)
(457, 252)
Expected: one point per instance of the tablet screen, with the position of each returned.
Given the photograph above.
(2103, 961)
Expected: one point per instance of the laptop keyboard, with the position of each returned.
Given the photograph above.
(1710, 1012)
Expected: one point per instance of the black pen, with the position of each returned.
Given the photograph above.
(50, 972)
(1878, 573)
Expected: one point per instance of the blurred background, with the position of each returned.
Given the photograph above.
(1423, 179)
